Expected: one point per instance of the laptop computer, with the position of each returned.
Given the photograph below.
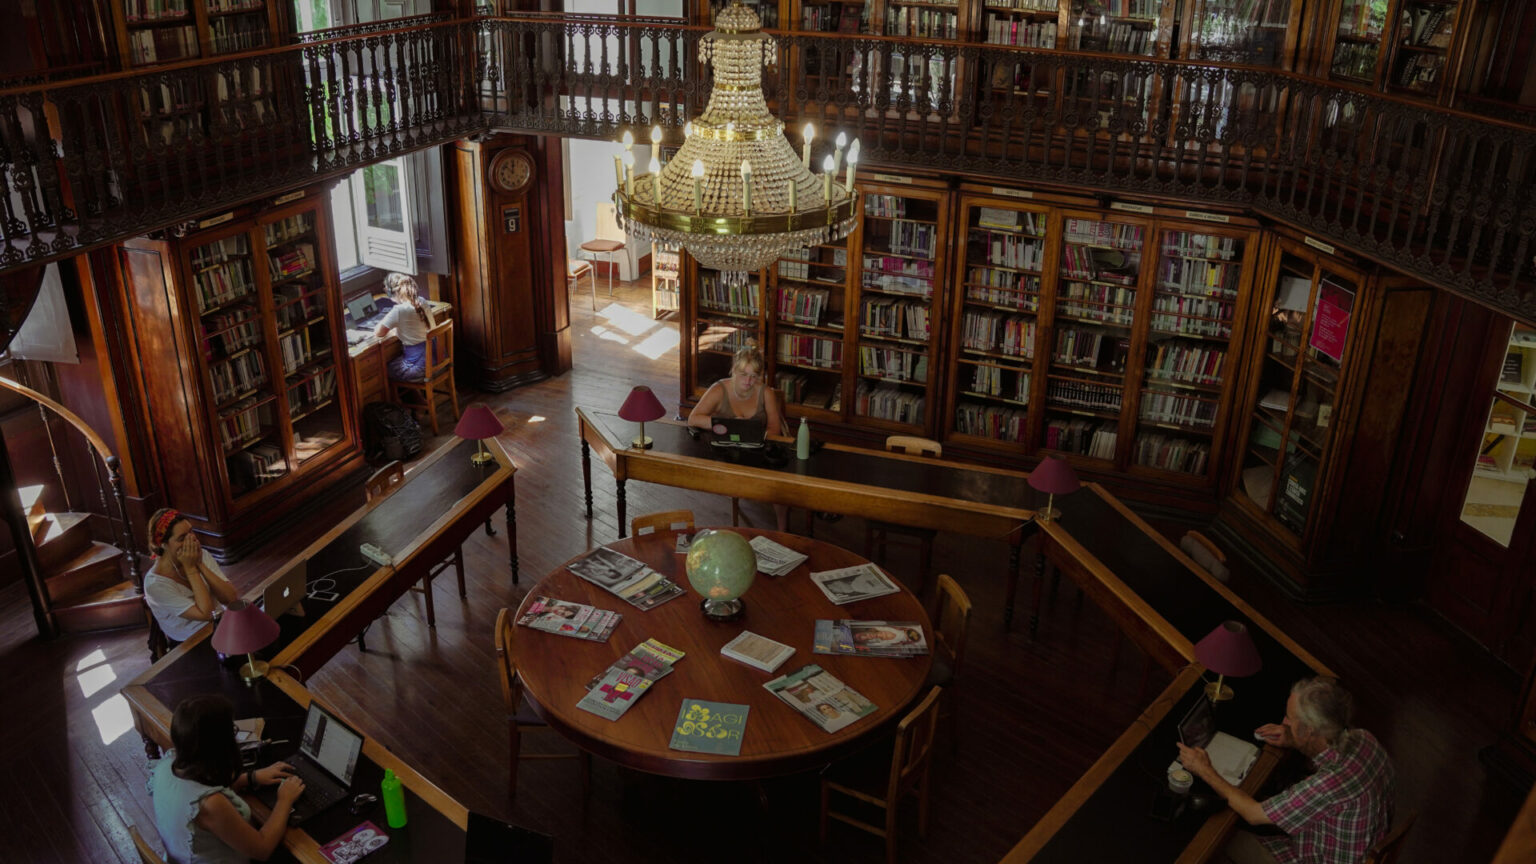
(326, 761)
(1230, 756)
(731, 432)
(283, 594)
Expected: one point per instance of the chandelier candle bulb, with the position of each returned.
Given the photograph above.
(618, 171)
(809, 133)
(853, 160)
(698, 195)
(656, 180)
(828, 168)
(629, 143)
(794, 195)
(837, 154)
(629, 174)
(746, 187)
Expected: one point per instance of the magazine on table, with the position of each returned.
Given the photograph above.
(852, 584)
(709, 727)
(570, 619)
(756, 651)
(775, 559)
(625, 577)
(870, 638)
(650, 660)
(826, 701)
(355, 844)
(611, 693)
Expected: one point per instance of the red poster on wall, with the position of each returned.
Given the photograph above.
(1330, 319)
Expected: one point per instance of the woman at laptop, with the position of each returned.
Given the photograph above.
(198, 810)
(410, 319)
(185, 587)
(744, 396)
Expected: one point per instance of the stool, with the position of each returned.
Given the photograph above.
(610, 248)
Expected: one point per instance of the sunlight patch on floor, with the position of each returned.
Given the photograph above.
(91, 659)
(537, 418)
(658, 343)
(113, 718)
(92, 680)
(627, 319)
(602, 332)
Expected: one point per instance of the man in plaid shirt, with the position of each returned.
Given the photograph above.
(1336, 813)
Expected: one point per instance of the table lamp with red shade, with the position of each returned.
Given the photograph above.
(245, 629)
(1227, 650)
(479, 423)
(642, 405)
(1053, 476)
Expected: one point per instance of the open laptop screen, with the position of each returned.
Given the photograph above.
(1199, 725)
(331, 743)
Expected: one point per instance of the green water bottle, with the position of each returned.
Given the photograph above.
(803, 440)
(394, 800)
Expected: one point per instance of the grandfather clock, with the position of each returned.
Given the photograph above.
(509, 244)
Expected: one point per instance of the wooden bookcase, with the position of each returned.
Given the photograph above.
(1252, 32)
(718, 319)
(1408, 47)
(241, 335)
(666, 283)
(810, 326)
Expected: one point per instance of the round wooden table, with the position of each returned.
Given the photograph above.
(778, 739)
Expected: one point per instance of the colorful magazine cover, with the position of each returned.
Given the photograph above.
(625, 577)
(355, 844)
(869, 638)
(710, 727)
(821, 697)
(570, 619)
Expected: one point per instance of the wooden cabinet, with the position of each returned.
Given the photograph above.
(809, 324)
(153, 32)
(1251, 32)
(665, 280)
(1407, 47)
(239, 334)
(719, 319)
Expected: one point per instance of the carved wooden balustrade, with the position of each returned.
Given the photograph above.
(1438, 194)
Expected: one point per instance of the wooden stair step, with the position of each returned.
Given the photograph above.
(66, 537)
(96, 567)
(119, 605)
(32, 506)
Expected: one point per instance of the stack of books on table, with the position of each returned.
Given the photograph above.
(775, 559)
(616, 688)
(625, 577)
(870, 638)
(822, 698)
(570, 619)
(850, 584)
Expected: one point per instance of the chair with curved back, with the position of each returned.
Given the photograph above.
(521, 717)
(1386, 850)
(669, 520)
(878, 533)
(575, 268)
(951, 618)
(147, 853)
(870, 778)
(384, 481)
(437, 375)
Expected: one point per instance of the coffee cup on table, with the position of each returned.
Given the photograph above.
(1180, 781)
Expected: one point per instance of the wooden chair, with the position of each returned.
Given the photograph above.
(575, 268)
(907, 771)
(877, 532)
(1386, 850)
(147, 853)
(667, 521)
(951, 617)
(437, 375)
(382, 483)
(1205, 553)
(520, 715)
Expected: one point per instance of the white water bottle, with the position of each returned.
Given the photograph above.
(803, 440)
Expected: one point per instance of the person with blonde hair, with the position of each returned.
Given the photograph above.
(744, 396)
(410, 318)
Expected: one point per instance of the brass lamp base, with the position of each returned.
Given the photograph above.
(1218, 692)
(1048, 514)
(482, 455)
(253, 669)
(642, 442)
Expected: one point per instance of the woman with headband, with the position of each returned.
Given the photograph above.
(184, 587)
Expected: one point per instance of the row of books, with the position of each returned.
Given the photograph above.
(314, 390)
(169, 96)
(1198, 276)
(162, 44)
(1002, 288)
(727, 339)
(292, 261)
(154, 10)
(239, 33)
(1030, 5)
(1191, 316)
(832, 18)
(1116, 37)
(999, 333)
(888, 402)
(716, 295)
(1189, 243)
(293, 227)
(893, 206)
(239, 374)
(1128, 8)
(1177, 408)
(295, 349)
(815, 351)
(906, 237)
(1013, 221)
(1420, 71)
(990, 421)
(243, 421)
(1263, 13)
(1093, 349)
(1187, 362)
(1354, 60)
(1172, 453)
(1008, 30)
(1082, 436)
(297, 311)
(1082, 394)
(921, 23)
(229, 331)
(803, 305)
(894, 364)
(223, 283)
(1107, 304)
(1096, 233)
(895, 319)
(219, 251)
(991, 380)
(257, 465)
(1103, 265)
(1021, 252)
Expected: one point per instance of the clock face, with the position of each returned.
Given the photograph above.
(511, 171)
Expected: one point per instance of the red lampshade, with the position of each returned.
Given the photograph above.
(1229, 650)
(1053, 476)
(641, 406)
(244, 629)
(478, 423)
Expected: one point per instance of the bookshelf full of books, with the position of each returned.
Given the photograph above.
(1506, 451)
(721, 318)
(1425, 29)
(1359, 28)
(301, 312)
(1197, 285)
(1118, 26)
(895, 340)
(995, 322)
(809, 322)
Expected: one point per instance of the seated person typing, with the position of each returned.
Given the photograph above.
(410, 318)
(1336, 813)
(184, 587)
(744, 396)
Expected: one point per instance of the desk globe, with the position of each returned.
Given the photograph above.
(721, 567)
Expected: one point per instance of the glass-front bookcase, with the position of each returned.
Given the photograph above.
(809, 321)
(723, 319)
(1506, 455)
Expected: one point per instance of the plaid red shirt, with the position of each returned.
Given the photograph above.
(1334, 815)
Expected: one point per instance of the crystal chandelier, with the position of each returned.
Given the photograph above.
(736, 195)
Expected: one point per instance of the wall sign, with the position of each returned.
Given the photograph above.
(1129, 207)
(1012, 193)
(1318, 244)
(216, 220)
(512, 219)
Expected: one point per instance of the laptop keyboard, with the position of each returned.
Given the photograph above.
(320, 791)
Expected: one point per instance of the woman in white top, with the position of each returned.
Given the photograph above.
(200, 815)
(185, 587)
(410, 319)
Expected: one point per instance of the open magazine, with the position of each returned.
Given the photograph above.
(851, 584)
(625, 577)
(826, 701)
(570, 619)
(870, 638)
(775, 559)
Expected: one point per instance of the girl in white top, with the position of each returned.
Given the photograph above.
(185, 587)
(410, 319)
(199, 813)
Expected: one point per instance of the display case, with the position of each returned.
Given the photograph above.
(720, 318)
(809, 323)
(1139, 27)
(1407, 47)
(1250, 32)
(1506, 456)
(666, 280)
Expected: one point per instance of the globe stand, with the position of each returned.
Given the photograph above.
(723, 610)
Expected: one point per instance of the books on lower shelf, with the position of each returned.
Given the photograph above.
(570, 619)
(775, 559)
(710, 727)
(625, 577)
(869, 638)
(821, 697)
(756, 651)
(851, 584)
(616, 688)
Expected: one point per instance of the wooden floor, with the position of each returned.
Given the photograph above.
(1036, 713)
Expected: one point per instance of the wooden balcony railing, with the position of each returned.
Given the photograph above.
(1438, 194)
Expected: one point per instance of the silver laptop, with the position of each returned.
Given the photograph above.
(283, 594)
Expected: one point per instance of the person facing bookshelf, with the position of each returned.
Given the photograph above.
(410, 319)
(184, 587)
(744, 396)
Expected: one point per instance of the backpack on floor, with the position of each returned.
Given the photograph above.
(390, 433)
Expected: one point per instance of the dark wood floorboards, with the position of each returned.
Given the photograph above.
(1036, 713)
